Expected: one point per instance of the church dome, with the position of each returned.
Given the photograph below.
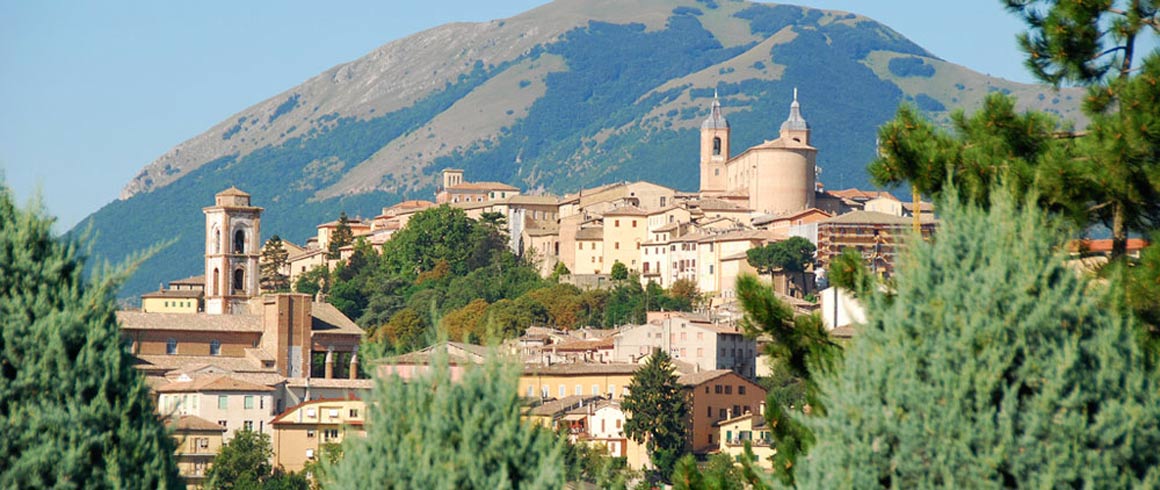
(715, 120)
(795, 121)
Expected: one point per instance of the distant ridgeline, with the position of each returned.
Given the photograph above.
(624, 104)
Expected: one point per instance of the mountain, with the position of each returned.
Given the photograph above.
(568, 95)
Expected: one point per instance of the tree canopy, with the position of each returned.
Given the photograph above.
(657, 409)
(274, 259)
(74, 410)
(990, 364)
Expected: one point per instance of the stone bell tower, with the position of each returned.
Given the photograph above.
(232, 249)
(714, 150)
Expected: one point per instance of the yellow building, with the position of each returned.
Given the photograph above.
(625, 230)
(303, 431)
(750, 428)
(198, 441)
(561, 380)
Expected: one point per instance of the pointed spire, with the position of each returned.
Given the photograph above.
(715, 120)
(795, 121)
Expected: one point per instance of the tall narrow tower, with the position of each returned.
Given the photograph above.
(795, 127)
(714, 150)
(232, 230)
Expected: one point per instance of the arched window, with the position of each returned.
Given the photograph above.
(213, 286)
(215, 347)
(716, 145)
(217, 240)
(171, 346)
(240, 242)
(239, 280)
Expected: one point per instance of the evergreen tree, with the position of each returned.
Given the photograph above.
(74, 411)
(657, 408)
(992, 365)
(274, 259)
(433, 433)
(242, 463)
(619, 271)
(790, 256)
(340, 237)
(802, 351)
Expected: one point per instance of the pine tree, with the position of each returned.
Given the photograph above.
(340, 237)
(991, 365)
(74, 411)
(657, 408)
(274, 259)
(433, 433)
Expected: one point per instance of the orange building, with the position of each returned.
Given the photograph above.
(302, 433)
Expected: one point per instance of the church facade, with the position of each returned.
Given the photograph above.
(776, 177)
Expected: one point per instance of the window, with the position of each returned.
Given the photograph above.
(706, 389)
(530, 390)
(310, 452)
(717, 389)
(563, 391)
(171, 346)
(262, 403)
(215, 347)
(248, 425)
(700, 335)
(700, 352)
(354, 413)
(709, 412)
(728, 389)
(716, 146)
(611, 390)
(721, 413)
(224, 424)
(716, 171)
(616, 223)
(616, 245)
(310, 433)
(618, 423)
(239, 242)
(248, 404)
(684, 336)
(595, 390)
(579, 390)
(223, 402)
(736, 410)
(710, 269)
(740, 389)
(330, 434)
(634, 223)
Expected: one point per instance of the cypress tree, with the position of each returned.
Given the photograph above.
(992, 365)
(657, 409)
(73, 410)
(433, 433)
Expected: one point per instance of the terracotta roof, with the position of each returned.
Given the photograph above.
(166, 363)
(457, 353)
(211, 384)
(232, 191)
(737, 235)
(192, 423)
(669, 227)
(472, 204)
(328, 319)
(197, 322)
(482, 186)
(352, 222)
(758, 420)
(547, 230)
(922, 206)
(190, 281)
(553, 407)
(626, 210)
(1103, 245)
(858, 194)
(585, 345)
(174, 293)
(694, 379)
(334, 383)
(581, 369)
(719, 205)
(307, 253)
(591, 233)
(281, 418)
(525, 199)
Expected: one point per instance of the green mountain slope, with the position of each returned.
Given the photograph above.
(568, 95)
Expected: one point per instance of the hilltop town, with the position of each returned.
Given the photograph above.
(222, 355)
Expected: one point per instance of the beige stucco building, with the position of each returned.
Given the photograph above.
(689, 338)
(303, 431)
(198, 442)
(231, 403)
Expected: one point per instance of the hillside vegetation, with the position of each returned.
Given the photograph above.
(568, 95)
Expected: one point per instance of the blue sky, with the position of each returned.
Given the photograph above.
(92, 91)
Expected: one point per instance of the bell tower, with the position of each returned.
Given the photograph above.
(714, 149)
(795, 127)
(232, 231)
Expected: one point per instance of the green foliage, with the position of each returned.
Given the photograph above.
(657, 409)
(719, 474)
(432, 433)
(910, 66)
(559, 271)
(848, 271)
(1141, 285)
(273, 260)
(438, 233)
(619, 271)
(313, 281)
(790, 255)
(74, 410)
(993, 365)
(244, 462)
(802, 352)
(592, 464)
(340, 237)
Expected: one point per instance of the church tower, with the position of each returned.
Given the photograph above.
(714, 150)
(795, 128)
(232, 230)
